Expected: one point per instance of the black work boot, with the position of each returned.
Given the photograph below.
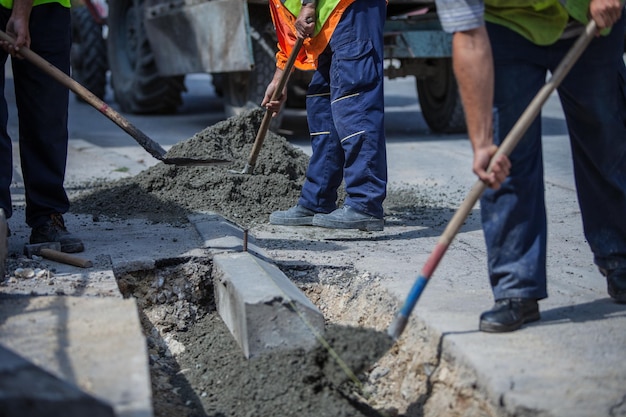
(349, 218)
(509, 314)
(616, 283)
(53, 230)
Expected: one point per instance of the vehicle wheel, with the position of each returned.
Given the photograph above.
(135, 79)
(440, 101)
(88, 55)
(245, 90)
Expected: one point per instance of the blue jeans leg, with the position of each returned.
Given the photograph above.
(593, 97)
(514, 217)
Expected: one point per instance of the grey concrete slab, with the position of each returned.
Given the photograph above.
(261, 307)
(221, 235)
(28, 391)
(93, 343)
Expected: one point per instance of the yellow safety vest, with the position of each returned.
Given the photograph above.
(9, 3)
(540, 21)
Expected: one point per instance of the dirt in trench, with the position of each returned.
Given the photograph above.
(198, 369)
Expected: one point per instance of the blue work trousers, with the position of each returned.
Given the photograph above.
(593, 97)
(42, 109)
(345, 112)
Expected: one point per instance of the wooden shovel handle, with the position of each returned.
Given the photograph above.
(267, 118)
(66, 258)
(148, 144)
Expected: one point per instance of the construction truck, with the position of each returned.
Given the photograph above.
(149, 46)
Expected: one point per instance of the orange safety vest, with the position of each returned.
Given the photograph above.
(285, 21)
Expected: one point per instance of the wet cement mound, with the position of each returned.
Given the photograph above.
(280, 383)
(167, 193)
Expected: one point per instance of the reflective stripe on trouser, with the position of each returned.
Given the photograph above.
(593, 97)
(345, 111)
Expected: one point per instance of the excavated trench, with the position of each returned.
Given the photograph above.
(198, 369)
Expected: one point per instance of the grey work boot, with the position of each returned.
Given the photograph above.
(348, 218)
(295, 216)
(4, 243)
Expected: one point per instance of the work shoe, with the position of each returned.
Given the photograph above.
(509, 314)
(295, 216)
(53, 230)
(348, 218)
(616, 283)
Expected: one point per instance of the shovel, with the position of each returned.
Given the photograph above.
(267, 117)
(148, 144)
(512, 139)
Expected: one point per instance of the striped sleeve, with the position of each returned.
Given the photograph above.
(460, 15)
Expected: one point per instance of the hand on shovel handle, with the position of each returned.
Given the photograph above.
(267, 118)
(510, 141)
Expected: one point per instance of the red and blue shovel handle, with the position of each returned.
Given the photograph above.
(400, 321)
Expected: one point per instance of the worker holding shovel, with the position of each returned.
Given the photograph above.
(526, 40)
(45, 27)
(345, 109)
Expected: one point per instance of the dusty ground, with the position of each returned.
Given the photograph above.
(197, 369)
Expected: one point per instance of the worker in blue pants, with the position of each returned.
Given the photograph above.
(42, 103)
(596, 115)
(345, 113)
(502, 53)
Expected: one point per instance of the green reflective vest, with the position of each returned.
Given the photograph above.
(540, 21)
(9, 3)
(323, 9)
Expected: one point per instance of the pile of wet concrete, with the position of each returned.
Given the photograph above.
(167, 193)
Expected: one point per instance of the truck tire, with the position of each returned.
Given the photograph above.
(245, 90)
(88, 56)
(440, 101)
(135, 78)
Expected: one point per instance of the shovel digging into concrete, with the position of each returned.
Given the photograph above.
(148, 144)
(512, 139)
(267, 118)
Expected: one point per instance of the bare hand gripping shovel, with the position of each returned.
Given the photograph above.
(523, 123)
(267, 117)
(148, 144)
